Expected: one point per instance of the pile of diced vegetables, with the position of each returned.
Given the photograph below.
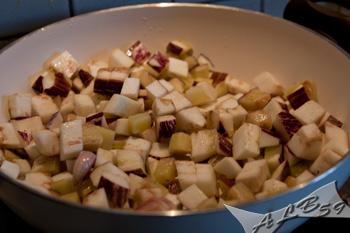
(164, 131)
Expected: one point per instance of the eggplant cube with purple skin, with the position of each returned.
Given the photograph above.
(109, 167)
(44, 107)
(179, 48)
(119, 59)
(157, 64)
(254, 174)
(138, 52)
(310, 112)
(116, 187)
(20, 105)
(165, 126)
(203, 145)
(246, 141)
(71, 139)
(122, 106)
(307, 142)
(64, 63)
(190, 119)
(286, 125)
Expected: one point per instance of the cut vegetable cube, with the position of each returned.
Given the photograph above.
(180, 102)
(97, 199)
(122, 127)
(63, 183)
(131, 87)
(267, 140)
(228, 167)
(44, 107)
(63, 63)
(130, 161)
(241, 193)
(67, 105)
(103, 156)
(307, 142)
(46, 164)
(157, 63)
(10, 169)
(191, 197)
(272, 187)
(95, 176)
(268, 83)
(255, 99)
(272, 156)
(246, 142)
(206, 179)
(47, 142)
(156, 90)
(162, 107)
(117, 188)
(177, 68)
(310, 112)
(202, 93)
(336, 139)
(38, 179)
(84, 106)
(274, 107)
(120, 59)
(286, 125)
(254, 174)
(189, 120)
(260, 118)
(237, 86)
(324, 161)
(20, 105)
(186, 171)
(122, 106)
(179, 48)
(180, 144)
(9, 137)
(165, 171)
(165, 126)
(141, 145)
(139, 122)
(159, 150)
(203, 145)
(71, 139)
(304, 177)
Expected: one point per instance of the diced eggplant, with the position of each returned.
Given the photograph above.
(58, 86)
(180, 144)
(223, 146)
(130, 161)
(160, 150)
(179, 48)
(162, 107)
(298, 97)
(109, 167)
(260, 118)
(131, 87)
(254, 99)
(97, 199)
(189, 120)
(286, 125)
(272, 187)
(84, 105)
(9, 138)
(47, 142)
(310, 112)
(180, 102)
(165, 126)
(165, 171)
(203, 145)
(139, 122)
(110, 81)
(63, 183)
(267, 82)
(186, 171)
(246, 141)
(304, 177)
(191, 197)
(157, 64)
(336, 139)
(46, 164)
(205, 60)
(37, 84)
(85, 77)
(237, 86)
(281, 172)
(241, 192)
(228, 167)
(20, 105)
(119, 59)
(116, 187)
(324, 161)
(63, 63)
(138, 52)
(307, 142)
(206, 179)
(202, 93)
(10, 169)
(122, 106)
(268, 140)
(141, 145)
(71, 139)
(254, 174)
(44, 107)
(272, 156)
